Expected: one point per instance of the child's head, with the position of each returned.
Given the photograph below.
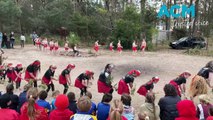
(204, 98)
(150, 97)
(155, 79)
(84, 104)
(43, 95)
(185, 74)
(89, 94)
(126, 99)
(116, 110)
(107, 98)
(9, 88)
(32, 95)
(211, 111)
(61, 102)
(71, 96)
(55, 93)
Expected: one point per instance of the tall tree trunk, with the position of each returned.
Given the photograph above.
(143, 2)
(196, 16)
(190, 20)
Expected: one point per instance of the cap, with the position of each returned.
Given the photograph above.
(9, 64)
(156, 78)
(134, 72)
(89, 72)
(19, 65)
(37, 63)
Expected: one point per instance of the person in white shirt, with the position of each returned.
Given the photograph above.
(23, 39)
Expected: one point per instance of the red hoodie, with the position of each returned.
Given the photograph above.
(8, 114)
(210, 118)
(42, 113)
(186, 110)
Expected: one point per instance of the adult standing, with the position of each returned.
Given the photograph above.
(12, 40)
(23, 39)
(31, 72)
(5, 41)
(34, 36)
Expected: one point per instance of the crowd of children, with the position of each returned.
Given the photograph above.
(31, 104)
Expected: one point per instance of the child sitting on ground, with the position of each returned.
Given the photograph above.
(128, 109)
(92, 111)
(84, 104)
(210, 114)
(72, 102)
(54, 95)
(104, 107)
(42, 102)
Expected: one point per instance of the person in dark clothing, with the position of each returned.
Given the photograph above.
(104, 81)
(12, 40)
(13, 98)
(167, 104)
(72, 102)
(5, 40)
(23, 96)
(82, 81)
(31, 72)
(179, 83)
(48, 77)
(65, 78)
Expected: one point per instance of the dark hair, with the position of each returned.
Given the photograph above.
(107, 67)
(89, 94)
(170, 90)
(43, 95)
(210, 65)
(211, 111)
(150, 98)
(10, 88)
(107, 98)
(4, 101)
(71, 96)
(126, 99)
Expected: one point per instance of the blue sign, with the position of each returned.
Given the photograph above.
(171, 13)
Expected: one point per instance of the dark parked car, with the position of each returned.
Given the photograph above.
(188, 42)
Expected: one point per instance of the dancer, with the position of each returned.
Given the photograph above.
(45, 44)
(31, 72)
(96, 47)
(75, 50)
(48, 78)
(124, 84)
(134, 47)
(198, 86)
(82, 81)
(105, 80)
(179, 83)
(134, 73)
(111, 47)
(10, 72)
(51, 44)
(17, 73)
(64, 78)
(148, 87)
(119, 47)
(38, 43)
(207, 73)
(66, 47)
(143, 45)
(56, 46)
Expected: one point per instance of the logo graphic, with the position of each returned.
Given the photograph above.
(182, 11)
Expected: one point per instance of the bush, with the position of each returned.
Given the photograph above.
(73, 39)
(179, 33)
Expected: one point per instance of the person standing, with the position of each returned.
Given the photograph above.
(23, 39)
(65, 78)
(31, 72)
(119, 47)
(6, 41)
(34, 36)
(12, 40)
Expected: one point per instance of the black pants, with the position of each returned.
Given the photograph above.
(111, 91)
(22, 43)
(76, 52)
(83, 91)
(35, 83)
(50, 86)
(18, 84)
(65, 88)
(33, 41)
(12, 41)
(8, 44)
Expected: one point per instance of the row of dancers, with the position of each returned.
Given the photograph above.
(53, 46)
(198, 84)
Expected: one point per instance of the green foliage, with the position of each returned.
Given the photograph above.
(179, 33)
(73, 39)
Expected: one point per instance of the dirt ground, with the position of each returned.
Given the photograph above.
(167, 65)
